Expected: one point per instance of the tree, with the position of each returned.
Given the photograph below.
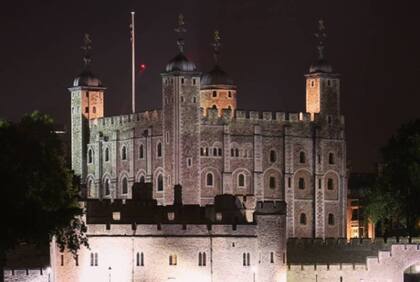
(39, 193)
(395, 196)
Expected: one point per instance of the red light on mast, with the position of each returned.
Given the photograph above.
(142, 67)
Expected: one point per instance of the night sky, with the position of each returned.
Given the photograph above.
(268, 46)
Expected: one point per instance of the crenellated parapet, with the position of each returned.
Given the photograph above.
(129, 120)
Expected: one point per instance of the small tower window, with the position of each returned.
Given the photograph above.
(272, 182)
(302, 219)
(107, 154)
(246, 259)
(271, 257)
(94, 110)
(219, 151)
(124, 185)
(209, 179)
(273, 156)
(202, 259)
(160, 183)
(140, 259)
(331, 220)
(301, 183)
(330, 184)
(194, 99)
(141, 151)
(182, 80)
(215, 152)
(173, 260)
(236, 152)
(312, 83)
(331, 159)
(124, 153)
(302, 157)
(194, 81)
(241, 180)
(329, 82)
(90, 156)
(182, 99)
(229, 94)
(214, 94)
(159, 150)
(87, 110)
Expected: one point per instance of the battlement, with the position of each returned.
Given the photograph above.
(211, 115)
(153, 230)
(115, 121)
(270, 207)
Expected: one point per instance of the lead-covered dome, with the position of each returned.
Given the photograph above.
(87, 78)
(320, 66)
(216, 76)
(180, 63)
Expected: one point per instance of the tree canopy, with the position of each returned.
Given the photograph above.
(39, 192)
(394, 199)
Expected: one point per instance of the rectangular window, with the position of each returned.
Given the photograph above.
(62, 260)
(173, 260)
(76, 260)
(272, 257)
(289, 182)
(167, 137)
(189, 162)
(87, 110)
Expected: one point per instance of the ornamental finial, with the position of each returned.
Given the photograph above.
(321, 35)
(216, 46)
(180, 29)
(87, 46)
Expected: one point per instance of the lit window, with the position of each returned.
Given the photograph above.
(173, 260)
(301, 183)
(331, 219)
(124, 186)
(124, 153)
(209, 179)
(302, 157)
(160, 183)
(241, 180)
(303, 219)
(272, 182)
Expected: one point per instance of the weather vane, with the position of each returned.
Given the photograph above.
(216, 45)
(321, 35)
(180, 29)
(87, 46)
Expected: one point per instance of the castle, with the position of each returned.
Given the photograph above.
(201, 191)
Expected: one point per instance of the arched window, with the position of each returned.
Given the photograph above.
(124, 153)
(301, 183)
(209, 179)
(142, 179)
(331, 220)
(141, 151)
(90, 156)
(241, 180)
(272, 182)
(159, 150)
(160, 183)
(232, 152)
(330, 184)
(106, 154)
(124, 185)
(106, 187)
(273, 156)
(219, 152)
(236, 152)
(302, 219)
(302, 157)
(215, 152)
(331, 159)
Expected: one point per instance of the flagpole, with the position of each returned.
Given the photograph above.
(133, 64)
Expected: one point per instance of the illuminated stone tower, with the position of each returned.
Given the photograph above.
(218, 90)
(87, 102)
(181, 123)
(322, 85)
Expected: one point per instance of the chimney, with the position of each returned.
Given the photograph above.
(177, 195)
